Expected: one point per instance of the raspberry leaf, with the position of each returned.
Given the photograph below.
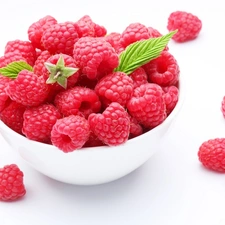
(59, 72)
(141, 52)
(13, 68)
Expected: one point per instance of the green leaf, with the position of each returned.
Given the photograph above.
(13, 68)
(141, 52)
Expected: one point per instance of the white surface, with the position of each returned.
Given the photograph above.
(172, 188)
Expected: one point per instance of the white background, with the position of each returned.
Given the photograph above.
(171, 188)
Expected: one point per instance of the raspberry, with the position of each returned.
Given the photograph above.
(78, 101)
(112, 126)
(115, 87)
(60, 38)
(147, 105)
(135, 128)
(36, 30)
(61, 71)
(70, 133)
(39, 63)
(3, 96)
(25, 48)
(95, 57)
(11, 57)
(38, 122)
(171, 94)
(87, 28)
(153, 32)
(114, 39)
(212, 154)
(28, 89)
(188, 25)
(163, 70)
(139, 77)
(134, 32)
(11, 183)
(93, 141)
(222, 105)
(12, 116)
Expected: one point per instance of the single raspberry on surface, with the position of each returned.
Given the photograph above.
(112, 127)
(70, 133)
(134, 32)
(88, 28)
(60, 38)
(115, 87)
(38, 122)
(171, 96)
(163, 70)
(25, 48)
(222, 105)
(187, 24)
(114, 39)
(28, 89)
(78, 100)
(12, 116)
(95, 57)
(3, 95)
(36, 30)
(211, 154)
(11, 183)
(11, 57)
(139, 77)
(147, 105)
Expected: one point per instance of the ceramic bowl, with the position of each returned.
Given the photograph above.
(90, 166)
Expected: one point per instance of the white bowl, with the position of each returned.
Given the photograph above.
(91, 166)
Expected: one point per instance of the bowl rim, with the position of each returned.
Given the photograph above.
(159, 127)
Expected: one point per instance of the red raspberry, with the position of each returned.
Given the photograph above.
(3, 96)
(135, 128)
(112, 126)
(222, 105)
(11, 57)
(188, 25)
(12, 116)
(87, 28)
(163, 70)
(68, 62)
(115, 87)
(147, 105)
(139, 77)
(28, 89)
(212, 154)
(25, 48)
(114, 39)
(11, 183)
(93, 141)
(95, 57)
(80, 101)
(70, 133)
(60, 38)
(134, 32)
(171, 95)
(36, 30)
(38, 122)
(84, 81)
(39, 63)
